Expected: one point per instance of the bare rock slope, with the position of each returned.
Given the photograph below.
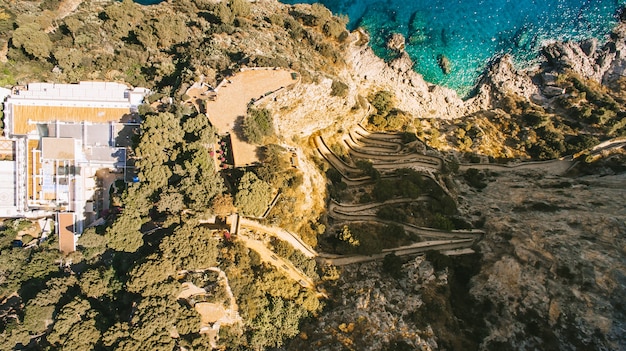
(554, 262)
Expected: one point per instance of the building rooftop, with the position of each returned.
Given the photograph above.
(24, 118)
(58, 148)
(58, 137)
(83, 91)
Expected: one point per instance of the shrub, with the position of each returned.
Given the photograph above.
(257, 125)
(391, 214)
(368, 169)
(442, 222)
(382, 101)
(475, 178)
(339, 89)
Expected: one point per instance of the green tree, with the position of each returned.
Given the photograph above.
(384, 190)
(392, 265)
(257, 125)
(37, 318)
(442, 222)
(253, 195)
(222, 205)
(278, 321)
(99, 282)
(368, 168)
(158, 147)
(383, 102)
(122, 17)
(123, 234)
(171, 201)
(74, 327)
(199, 129)
(33, 40)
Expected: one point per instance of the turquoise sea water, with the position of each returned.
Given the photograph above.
(471, 32)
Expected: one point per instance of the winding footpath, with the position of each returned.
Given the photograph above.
(387, 153)
(355, 214)
(280, 263)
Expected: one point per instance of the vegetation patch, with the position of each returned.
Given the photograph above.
(257, 125)
(367, 238)
(386, 117)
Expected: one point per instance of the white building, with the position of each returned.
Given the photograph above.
(56, 136)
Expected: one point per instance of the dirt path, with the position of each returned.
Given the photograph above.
(350, 213)
(554, 167)
(372, 150)
(280, 233)
(281, 264)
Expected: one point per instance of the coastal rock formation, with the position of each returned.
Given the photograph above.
(444, 63)
(602, 63)
(413, 94)
(396, 42)
(501, 79)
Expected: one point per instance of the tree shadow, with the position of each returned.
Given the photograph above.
(238, 128)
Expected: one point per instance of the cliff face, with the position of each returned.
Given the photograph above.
(413, 94)
(554, 258)
(602, 63)
(553, 270)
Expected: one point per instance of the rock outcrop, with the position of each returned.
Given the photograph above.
(396, 42)
(501, 79)
(413, 94)
(553, 262)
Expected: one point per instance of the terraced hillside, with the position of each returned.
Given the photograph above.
(384, 184)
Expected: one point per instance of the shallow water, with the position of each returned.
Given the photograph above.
(471, 32)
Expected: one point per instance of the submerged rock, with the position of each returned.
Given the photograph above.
(444, 63)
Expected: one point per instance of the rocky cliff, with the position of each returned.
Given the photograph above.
(552, 271)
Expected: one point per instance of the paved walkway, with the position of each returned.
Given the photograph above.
(234, 95)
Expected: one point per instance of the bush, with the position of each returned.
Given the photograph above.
(391, 214)
(257, 125)
(581, 142)
(334, 176)
(392, 265)
(339, 89)
(442, 222)
(383, 190)
(368, 169)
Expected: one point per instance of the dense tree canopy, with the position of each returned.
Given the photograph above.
(119, 290)
(253, 195)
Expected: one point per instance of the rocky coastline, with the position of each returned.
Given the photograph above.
(552, 263)
(550, 272)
